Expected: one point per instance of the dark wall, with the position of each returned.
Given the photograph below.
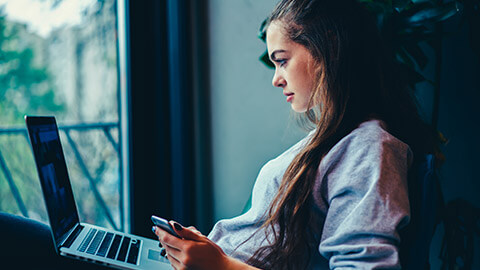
(459, 117)
(459, 121)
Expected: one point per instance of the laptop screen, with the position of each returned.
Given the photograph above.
(52, 171)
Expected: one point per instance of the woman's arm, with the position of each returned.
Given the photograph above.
(195, 251)
(368, 203)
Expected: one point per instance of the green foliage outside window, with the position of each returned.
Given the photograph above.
(24, 87)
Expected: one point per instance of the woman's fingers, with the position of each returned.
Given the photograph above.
(172, 256)
(173, 253)
(187, 233)
(167, 239)
(192, 228)
(193, 250)
(174, 263)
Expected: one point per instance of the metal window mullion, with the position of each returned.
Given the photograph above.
(107, 133)
(123, 68)
(13, 187)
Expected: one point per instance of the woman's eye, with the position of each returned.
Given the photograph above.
(281, 62)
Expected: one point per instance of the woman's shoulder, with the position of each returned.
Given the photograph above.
(368, 156)
(369, 141)
(373, 132)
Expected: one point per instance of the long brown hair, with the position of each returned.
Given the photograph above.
(356, 80)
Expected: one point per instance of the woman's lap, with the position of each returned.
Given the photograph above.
(27, 244)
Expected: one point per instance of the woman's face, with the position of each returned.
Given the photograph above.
(294, 67)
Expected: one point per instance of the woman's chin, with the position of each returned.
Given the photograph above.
(298, 109)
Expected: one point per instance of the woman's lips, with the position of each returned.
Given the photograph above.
(289, 96)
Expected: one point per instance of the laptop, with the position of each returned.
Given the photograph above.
(71, 237)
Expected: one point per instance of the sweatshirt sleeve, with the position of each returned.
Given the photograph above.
(365, 189)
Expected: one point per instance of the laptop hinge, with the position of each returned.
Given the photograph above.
(68, 238)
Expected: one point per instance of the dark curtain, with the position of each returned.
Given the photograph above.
(169, 114)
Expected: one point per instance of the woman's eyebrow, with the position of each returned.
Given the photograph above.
(272, 55)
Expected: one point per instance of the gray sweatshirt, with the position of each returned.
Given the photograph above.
(360, 201)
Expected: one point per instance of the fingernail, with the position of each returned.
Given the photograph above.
(153, 229)
(178, 227)
(163, 252)
(160, 244)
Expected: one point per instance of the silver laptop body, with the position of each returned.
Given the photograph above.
(71, 238)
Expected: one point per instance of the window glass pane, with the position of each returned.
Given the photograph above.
(59, 57)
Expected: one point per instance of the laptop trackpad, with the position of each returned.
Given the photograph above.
(155, 255)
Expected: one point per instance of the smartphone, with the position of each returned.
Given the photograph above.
(164, 225)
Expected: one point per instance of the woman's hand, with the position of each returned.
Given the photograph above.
(194, 250)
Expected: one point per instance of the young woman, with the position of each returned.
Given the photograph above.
(338, 198)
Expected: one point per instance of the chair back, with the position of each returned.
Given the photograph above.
(425, 203)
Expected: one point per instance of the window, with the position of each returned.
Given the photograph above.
(60, 57)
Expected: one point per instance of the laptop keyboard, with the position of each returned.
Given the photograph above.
(102, 251)
(114, 246)
(73, 236)
(92, 248)
(122, 254)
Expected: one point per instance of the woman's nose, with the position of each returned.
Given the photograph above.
(278, 80)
